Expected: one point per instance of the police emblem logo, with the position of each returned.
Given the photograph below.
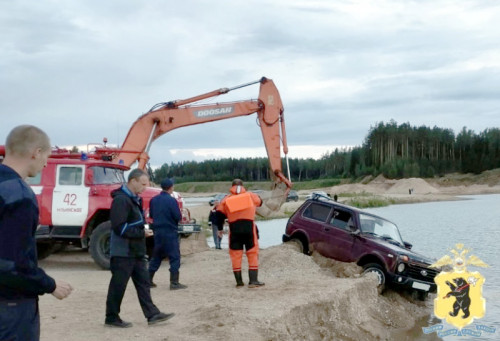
(459, 297)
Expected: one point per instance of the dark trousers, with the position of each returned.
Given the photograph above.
(19, 320)
(122, 268)
(166, 245)
(215, 233)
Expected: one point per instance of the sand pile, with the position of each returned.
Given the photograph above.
(350, 188)
(381, 185)
(378, 185)
(417, 186)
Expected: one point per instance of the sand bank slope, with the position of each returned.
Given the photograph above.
(306, 298)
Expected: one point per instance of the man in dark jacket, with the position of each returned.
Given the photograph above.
(164, 211)
(216, 221)
(128, 252)
(21, 280)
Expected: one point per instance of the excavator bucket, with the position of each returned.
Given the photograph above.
(272, 200)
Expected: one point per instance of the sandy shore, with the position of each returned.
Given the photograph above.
(305, 298)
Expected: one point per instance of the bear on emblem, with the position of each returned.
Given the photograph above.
(460, 290)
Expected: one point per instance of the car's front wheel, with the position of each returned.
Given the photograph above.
(379, 272)
(298, 244)
(45, 249)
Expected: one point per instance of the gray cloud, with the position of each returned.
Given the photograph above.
(83, 70)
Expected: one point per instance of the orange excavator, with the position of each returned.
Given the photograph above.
(164, 117)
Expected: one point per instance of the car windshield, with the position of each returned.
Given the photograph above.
(380, 227)
(107, 175)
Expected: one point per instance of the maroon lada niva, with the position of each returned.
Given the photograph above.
(349, 234)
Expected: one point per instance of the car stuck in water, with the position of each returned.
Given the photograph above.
(348, 234)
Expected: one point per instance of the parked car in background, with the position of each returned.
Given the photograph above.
(349, 234)
(321, 193)
(292, 196)
(217, 197)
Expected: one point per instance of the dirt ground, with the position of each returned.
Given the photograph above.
(305, 298)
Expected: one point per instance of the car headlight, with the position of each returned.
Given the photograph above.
(401, 267)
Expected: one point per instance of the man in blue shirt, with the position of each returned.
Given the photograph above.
(165, 212)
(21, 280)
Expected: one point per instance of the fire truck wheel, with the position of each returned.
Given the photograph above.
(59, 247)
(44, 249)
(99, 244)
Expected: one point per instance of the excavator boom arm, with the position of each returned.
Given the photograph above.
(176, 114)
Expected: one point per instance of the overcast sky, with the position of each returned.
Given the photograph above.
(84, 70)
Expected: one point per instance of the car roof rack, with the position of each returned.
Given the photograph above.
(317, 196)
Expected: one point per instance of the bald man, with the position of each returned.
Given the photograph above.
(27, 149)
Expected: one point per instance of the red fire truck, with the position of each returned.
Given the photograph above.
(73, 194)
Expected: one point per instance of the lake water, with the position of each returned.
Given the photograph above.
(196, 201)
(433, 229)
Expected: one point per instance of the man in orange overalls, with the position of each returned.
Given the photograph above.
(239, 207)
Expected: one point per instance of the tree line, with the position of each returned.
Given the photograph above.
(396, 151)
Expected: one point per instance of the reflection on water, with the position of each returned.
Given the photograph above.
(416, 334)
(196, 201)
(270, 233)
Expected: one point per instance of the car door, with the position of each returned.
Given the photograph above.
(70, 200)
(315, 221)
(340, 237)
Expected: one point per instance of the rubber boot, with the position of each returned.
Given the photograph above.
(174, 282)
(239, 280)
(254, 282)
(151, 283)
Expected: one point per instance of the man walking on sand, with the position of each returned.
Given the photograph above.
(128, 252)
(239, 207)
(21, 280)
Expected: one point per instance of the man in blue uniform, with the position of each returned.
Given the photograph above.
(166, 215)
(21, 280)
